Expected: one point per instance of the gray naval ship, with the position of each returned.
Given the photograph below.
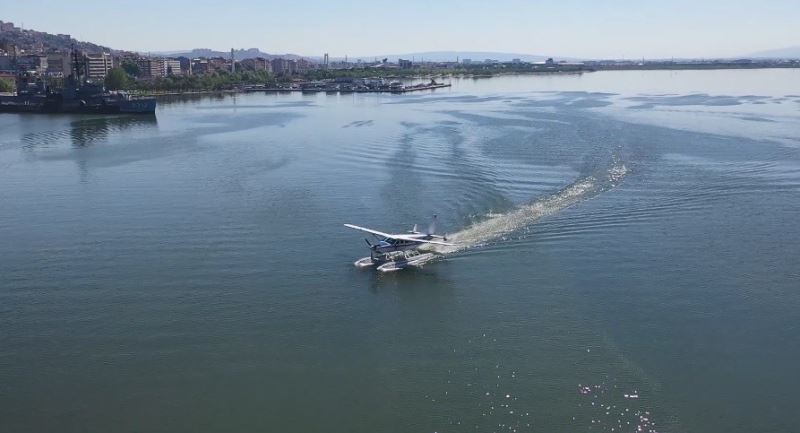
(78, 95)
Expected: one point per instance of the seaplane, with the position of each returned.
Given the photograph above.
(392, 252)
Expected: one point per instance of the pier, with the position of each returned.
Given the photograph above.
(421, 87)
(361, 86)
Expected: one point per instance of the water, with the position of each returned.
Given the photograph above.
(628, 257)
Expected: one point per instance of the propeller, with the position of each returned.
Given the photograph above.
(367, 241)
(432, 227)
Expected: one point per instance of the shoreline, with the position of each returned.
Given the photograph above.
(681, 67)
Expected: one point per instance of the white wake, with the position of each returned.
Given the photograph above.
(500, 225)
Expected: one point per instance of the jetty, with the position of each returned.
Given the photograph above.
(419, 87)
(349, 85)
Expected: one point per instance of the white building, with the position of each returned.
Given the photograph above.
(172, 66)
(98, 65)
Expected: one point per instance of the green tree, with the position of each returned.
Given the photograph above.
(6, 85)
(218, 80)
(131, 68)
(117, 79)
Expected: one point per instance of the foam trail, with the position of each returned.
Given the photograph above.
(500, 225)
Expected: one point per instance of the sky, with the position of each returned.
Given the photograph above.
(569, 28)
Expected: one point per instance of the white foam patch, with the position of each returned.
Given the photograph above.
(499, 225)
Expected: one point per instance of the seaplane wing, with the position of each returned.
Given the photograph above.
(417, 239)
(374, 232)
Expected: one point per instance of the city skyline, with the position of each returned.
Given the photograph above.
(574, 28)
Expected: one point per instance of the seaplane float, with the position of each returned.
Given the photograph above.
(392, 252)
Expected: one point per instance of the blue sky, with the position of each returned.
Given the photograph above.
(576, 28)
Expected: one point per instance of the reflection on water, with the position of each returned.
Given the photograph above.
(87, 131)
(619, 270)
(192, 98)
(701, 99)
(83, 131)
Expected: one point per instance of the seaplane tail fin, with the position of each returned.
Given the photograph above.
(414, 230)
(432, 227)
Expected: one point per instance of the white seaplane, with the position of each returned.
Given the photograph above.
(393, 252)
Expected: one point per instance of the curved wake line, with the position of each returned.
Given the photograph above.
(498, 226)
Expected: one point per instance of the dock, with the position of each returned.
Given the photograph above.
(421, 87)
(347, 89)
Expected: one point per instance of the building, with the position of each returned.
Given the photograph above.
(10, 48)
(218, 64)
(7, 27)
(304, 65)
(171, 67)
(186, 65)
(150, 68)
(59, 64)
(405, 64)
(256, 64)
(32, 63)
(97, 65)
(292, 67)
(7, 63)
(199, 66)
(280, 66)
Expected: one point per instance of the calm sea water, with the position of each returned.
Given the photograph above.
(629, 257)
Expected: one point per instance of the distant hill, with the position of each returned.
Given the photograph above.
(450, 56)
(32, 40)
(250, 53)
(782, 53)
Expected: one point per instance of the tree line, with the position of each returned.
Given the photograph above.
(6, 86)
(125, 76)
(120, 79)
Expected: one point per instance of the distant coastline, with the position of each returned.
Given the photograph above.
(298, 85)
(697, 66)
(31, 60)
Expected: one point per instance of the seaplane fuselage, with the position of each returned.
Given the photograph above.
(388, 245)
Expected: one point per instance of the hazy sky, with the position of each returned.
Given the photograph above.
(573, 28)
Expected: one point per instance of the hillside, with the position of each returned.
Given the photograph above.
(450, 56)
(35, 41)
(782, 53)
(237, 54)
